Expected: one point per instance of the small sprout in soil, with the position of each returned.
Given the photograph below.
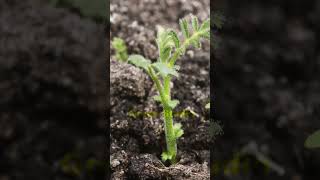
(171, 48)
(187, 112)
(313, 141)
(71, 164)
(120, 48)
(192, 112)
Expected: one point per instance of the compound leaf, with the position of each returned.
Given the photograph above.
(139, 61)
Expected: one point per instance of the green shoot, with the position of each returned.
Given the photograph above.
(120, 48)
(171, 48)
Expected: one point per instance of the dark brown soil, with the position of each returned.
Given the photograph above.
(52, 89)
(137, 142)
(267, 87)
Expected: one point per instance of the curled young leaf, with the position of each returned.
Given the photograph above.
(165, 43)
(195, 23)
(175, 38)
(165, 54)
(184, 28)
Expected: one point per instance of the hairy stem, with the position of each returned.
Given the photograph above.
(170, 138)
(167, 113)
(166, 84)
(158, 84)
(168, 118)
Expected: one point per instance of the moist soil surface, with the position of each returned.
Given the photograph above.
(52, 65)
(267, 88)
(137, 134)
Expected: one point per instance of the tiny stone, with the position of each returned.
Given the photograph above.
(115, 163)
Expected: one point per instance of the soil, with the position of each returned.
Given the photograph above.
(137, 140)
(52, 93)
(267, 87)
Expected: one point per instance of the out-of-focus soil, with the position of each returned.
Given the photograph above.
(267, 87)
(52, 85)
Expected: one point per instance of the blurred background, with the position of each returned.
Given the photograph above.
(53, 89)
(267, 90)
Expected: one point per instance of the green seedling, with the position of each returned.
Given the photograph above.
(313, 141)
(187, 112)
(121, 49)
(171, 48)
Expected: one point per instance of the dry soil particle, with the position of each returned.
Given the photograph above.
(128, 81)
